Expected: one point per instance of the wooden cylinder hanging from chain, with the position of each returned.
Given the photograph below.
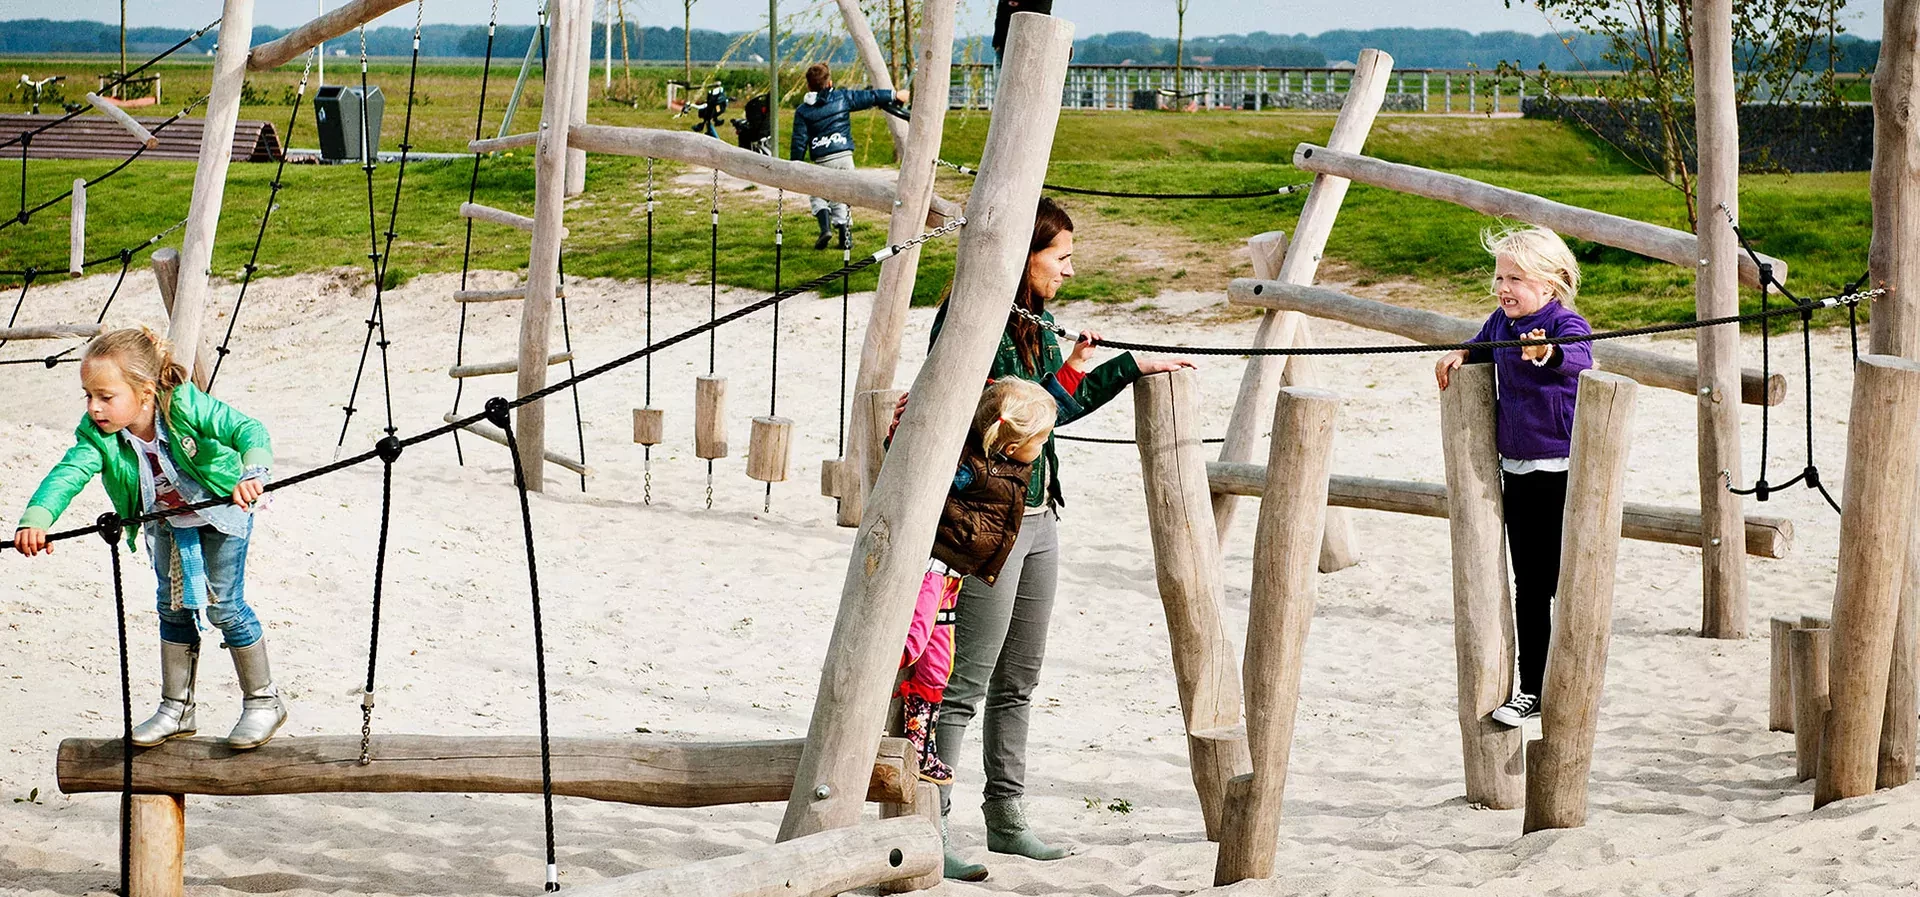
(710, 416)
(769, 449)
(649, 426)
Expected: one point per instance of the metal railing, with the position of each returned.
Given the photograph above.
(1251, 88)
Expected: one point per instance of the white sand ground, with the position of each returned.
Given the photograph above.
(704, 623)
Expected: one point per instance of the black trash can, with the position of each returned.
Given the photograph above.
(1146, 99)
(336, 112)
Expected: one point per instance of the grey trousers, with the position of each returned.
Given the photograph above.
(999, 641)
(838, 210)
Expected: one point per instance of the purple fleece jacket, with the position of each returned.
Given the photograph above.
(1533, 416)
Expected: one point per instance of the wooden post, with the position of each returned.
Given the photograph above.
(1186, 565)
(875, 63)
(77, 230)
(276, 53)
(166, 273)
(210, 181)
(543, 258)
(1558, 763)
(649, 426)
(581, 59)
(880, 350)
(872, 415)
(1482, 597)
(1262, 378)
(1875, 528)
(926, 805)
(710, 417)
(1808, 650)
(889, 553)
(1280, 610)
(1894, 261)
(1780, 674)
(1723, 563)
(157, 830)
(769, 446)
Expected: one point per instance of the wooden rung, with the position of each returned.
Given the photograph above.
(496, 144)
(120, 117)
(50, 331)
(479, 212)
(500, 367)
(493, 434)
(512, 295)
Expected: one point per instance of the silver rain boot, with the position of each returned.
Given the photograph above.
(174, 719)
(261, 710)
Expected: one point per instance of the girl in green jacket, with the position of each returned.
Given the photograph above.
(159, 443)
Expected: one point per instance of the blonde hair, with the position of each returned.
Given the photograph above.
(1011, 412)
(1540, 254)
(145, 361)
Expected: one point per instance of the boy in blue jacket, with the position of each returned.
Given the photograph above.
(823, 132)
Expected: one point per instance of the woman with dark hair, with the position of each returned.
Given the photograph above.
(1000, 635)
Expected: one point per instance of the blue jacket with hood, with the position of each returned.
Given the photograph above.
(823, 124)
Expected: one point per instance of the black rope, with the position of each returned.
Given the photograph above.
(24, 287)
(28, 135)
(109, 527)
(1119, 194)
(388, 450)
(126, 261)
(497, 413)
(713, 299)
(27, 214)
(466, 249)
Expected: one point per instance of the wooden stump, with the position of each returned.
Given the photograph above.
(875, 408)
(77, 230)
(1899, 727)
(926, 805)
(1809, 649)
(1780, 675)
(710, 417)
(649, 426)
(156, 865)
(769, 447)
(830, 477)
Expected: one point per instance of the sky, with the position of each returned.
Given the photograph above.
(1156, 17)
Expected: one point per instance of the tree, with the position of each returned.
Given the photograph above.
(687, 31)
(1784, 52)
(1179, 49)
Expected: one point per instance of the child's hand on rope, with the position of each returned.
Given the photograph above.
(246, 492)
(1535, 353)
(1444, 368)
(30, 541)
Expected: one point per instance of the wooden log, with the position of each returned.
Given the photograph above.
(710, 417)
(1875, 529)
(479, 212)
(654, 772)
(209, 187)
(769, 448)
(1186, 564)
(1767, 537)
(867, 191)
(1482, 598)
(157, 835)
(878, 75)
(543, 255)
(459, 371)
(77, 230)
(508, 295)
(126, 122)
(349, 16)
(501, 144)
(1716, 292)
(1650, 240)
(1365, 94)
(1780, 674)
(889, 554)
(1280, 611)
(875, 411)
(830, 477)
(925, 805)
(166, 272)
(649, 426)
(1812, 621)
(50, 331)
(817, 865)
(1650, 368)
(1583, 611)
(1808, 650)
(494, 434)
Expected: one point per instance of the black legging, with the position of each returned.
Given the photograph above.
(1534, 503)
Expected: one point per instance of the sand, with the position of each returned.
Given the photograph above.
(710, 623)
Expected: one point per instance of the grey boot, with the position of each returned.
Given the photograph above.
(174, 719)
(1007, 831)
(261, 710)
(956, 868)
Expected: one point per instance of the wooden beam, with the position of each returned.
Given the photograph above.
(507, 295)
(868, 191)
(1767, 537)
(50, 331)
(125, 121)
(889, 554)
(1650, 240)
(868, 50)
(354, 13)
(819, 865)
(479, 212)
(500, 367)
(581, 59)
(77, 230)
(655, 772)
(494, 434)
(1650, 368)
(499, 144)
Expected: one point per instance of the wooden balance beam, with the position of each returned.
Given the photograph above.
(820, 865)
(1767, 537)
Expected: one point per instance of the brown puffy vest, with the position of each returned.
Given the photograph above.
(978, 524)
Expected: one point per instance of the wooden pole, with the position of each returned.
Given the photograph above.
(872, 414)
(1482, 597)
(1875, 529)
(1810, 661)
(1280, 610)
(157, 831)
(1558, 763)
(166, 273)
(1186, 565)
(1650, 368)
(543, 260)
(126, 122)
(890, 551)
(582, 62)
(1716, 292)
(1780, 673)
(875, 63)
(880, 350)
(1262, 378)
(818, 865)
(350, 15)
(77, 230)
(210, 181)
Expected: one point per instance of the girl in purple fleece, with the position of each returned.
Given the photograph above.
(1535, 278)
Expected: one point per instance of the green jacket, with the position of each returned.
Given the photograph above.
(1101, 384)
(209, 440)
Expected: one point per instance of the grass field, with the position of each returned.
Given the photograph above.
(1127, 248)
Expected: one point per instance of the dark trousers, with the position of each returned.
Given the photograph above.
(1534, 504)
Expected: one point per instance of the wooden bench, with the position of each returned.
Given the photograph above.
(97, 137)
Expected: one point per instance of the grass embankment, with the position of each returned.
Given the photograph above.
(1127, 248)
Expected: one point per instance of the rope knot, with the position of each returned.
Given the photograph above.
(497, 409)
(51, 360)
(388, 449)
(1812, 476)
(108, 526)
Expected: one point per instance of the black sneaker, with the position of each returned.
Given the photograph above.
(1523, 707)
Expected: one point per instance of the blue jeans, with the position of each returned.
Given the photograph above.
(227, 608)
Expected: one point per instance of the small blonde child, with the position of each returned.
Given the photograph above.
(1535, 279)
(157, 442)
